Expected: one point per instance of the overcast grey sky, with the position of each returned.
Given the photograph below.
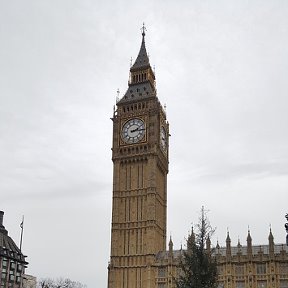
(221, 69)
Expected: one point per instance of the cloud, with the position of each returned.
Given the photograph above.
(220, 68)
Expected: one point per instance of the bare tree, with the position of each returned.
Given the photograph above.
(59, 283)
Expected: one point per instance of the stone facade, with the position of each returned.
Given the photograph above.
(249, 266)
(140, 158)
(255, 266)
(138, 235)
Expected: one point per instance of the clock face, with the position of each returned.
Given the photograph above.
(163, 138)
(133, 131)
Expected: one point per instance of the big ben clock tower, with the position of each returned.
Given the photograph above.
(140, 162)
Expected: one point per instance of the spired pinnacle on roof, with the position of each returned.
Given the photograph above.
(171, 247)
(271, 237)
(141, 78)
(228, 247)
(239, 245)
(271, 244)
(228, 240)
(217, 245)
(142, 59)
(249, 238)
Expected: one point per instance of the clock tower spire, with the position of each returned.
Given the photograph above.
(142, 79)
(140, 168)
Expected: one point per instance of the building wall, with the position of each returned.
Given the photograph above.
(236, 269)
(11, 272)
(12, 260)
(261, 270)
(138, 235)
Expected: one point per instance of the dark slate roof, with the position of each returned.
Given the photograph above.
(142, 60)
(138, 92)
(164, 255)
(8, 248)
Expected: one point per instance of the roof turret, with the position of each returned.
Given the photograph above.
(271, 244)
(228, 240)
(239, 245)
(228, 247)
(249, 238)
(170, 244)
(249, 245)
(171, 247)
(271, 237)
(191, 240)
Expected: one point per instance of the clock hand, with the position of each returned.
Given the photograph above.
(137, 129)
(134, 130)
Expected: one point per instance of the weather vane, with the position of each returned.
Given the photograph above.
(143, 29)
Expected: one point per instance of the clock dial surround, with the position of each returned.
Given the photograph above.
(133, 131)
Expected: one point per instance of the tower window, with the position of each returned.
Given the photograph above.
(261, 268)
(261, 284)
(12, 265)
(4, 263)
(239, 284)
(239, 269)
(283, 283)
(161, 272)
(11, 277)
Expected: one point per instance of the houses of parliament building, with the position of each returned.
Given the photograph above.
(140, 153)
